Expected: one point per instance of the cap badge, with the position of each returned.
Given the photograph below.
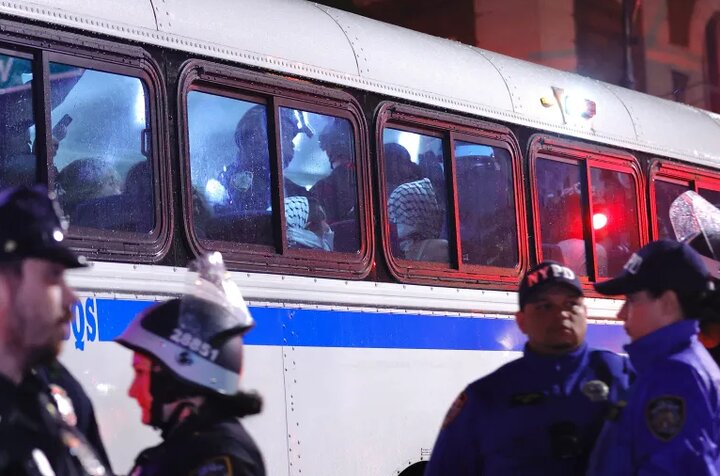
(633, 264)
(10, 246)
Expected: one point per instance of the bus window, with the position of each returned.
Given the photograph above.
(665, 193)
(320, 181)
(18, 163)
(560, 198)
(486, 205)
(100, 163)
(614, 220)
(712, 196)
(417, 203)
(229, 169)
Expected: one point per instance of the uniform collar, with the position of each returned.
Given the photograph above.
(569, 361)
(663, 342)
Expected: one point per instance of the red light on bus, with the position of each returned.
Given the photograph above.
(599, 221)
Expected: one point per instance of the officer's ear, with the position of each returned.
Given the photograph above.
(670, 305)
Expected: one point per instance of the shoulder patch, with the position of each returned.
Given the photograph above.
(218, 466)
(665, 416)
(455, 410)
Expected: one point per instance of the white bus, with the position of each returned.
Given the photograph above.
(377, 193)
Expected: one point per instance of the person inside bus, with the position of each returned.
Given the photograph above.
(247, 179)
(47, 424)
(137, 196)
(486, 211)
(399, 167)
(306, 224)
(188, 361)
(541, 413)
(568, 236)
(414, 210)
(670, 422)
(337, 192)
(84, 180)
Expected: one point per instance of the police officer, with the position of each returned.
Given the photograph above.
(539, 414)
(36, 437)
(187, 360)
(670, 423)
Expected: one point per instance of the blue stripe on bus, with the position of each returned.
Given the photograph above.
(105, 319)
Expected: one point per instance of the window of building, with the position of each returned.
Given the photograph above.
(679, 15)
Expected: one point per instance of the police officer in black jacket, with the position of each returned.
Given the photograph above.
(187, 362)
(37, 437)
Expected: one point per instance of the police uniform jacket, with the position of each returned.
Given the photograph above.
(537, 415)
(207, 445)
(71, 398)
(35, 440)
(671, 422)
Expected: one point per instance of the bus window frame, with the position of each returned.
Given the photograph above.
(692, 176)
(277, 92)
(450, 127)
(50, 45)
(586, 156)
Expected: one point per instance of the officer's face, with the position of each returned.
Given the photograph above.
(555, 320)
(643, 314)
(140, 387)
(39, 310)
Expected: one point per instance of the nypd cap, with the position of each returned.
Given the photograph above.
(31, 227)
(660, 265)
(544, 275)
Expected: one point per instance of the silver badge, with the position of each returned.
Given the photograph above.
(596, 390)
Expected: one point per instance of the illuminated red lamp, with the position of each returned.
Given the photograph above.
(599, 221)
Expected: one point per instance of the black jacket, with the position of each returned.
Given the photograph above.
(207, 444)
(33, 434)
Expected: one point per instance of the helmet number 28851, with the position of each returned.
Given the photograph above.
(194, 343)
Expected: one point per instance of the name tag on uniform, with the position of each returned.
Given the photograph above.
(525, 399)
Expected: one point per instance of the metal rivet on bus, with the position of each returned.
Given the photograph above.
(10, 246)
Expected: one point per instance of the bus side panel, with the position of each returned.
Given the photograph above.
(374, 411)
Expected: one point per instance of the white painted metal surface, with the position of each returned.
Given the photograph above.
(299, 38)
(157, 282)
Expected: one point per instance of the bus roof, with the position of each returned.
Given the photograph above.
(304, 39)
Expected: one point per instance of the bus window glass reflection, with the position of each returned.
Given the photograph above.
(99, 164)
(17, 157)
(486, 205)
(665, 193)
(560, 198)
(712, 196)
(615, 218)
(320, 181)
(229, 169)
(417, 191)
